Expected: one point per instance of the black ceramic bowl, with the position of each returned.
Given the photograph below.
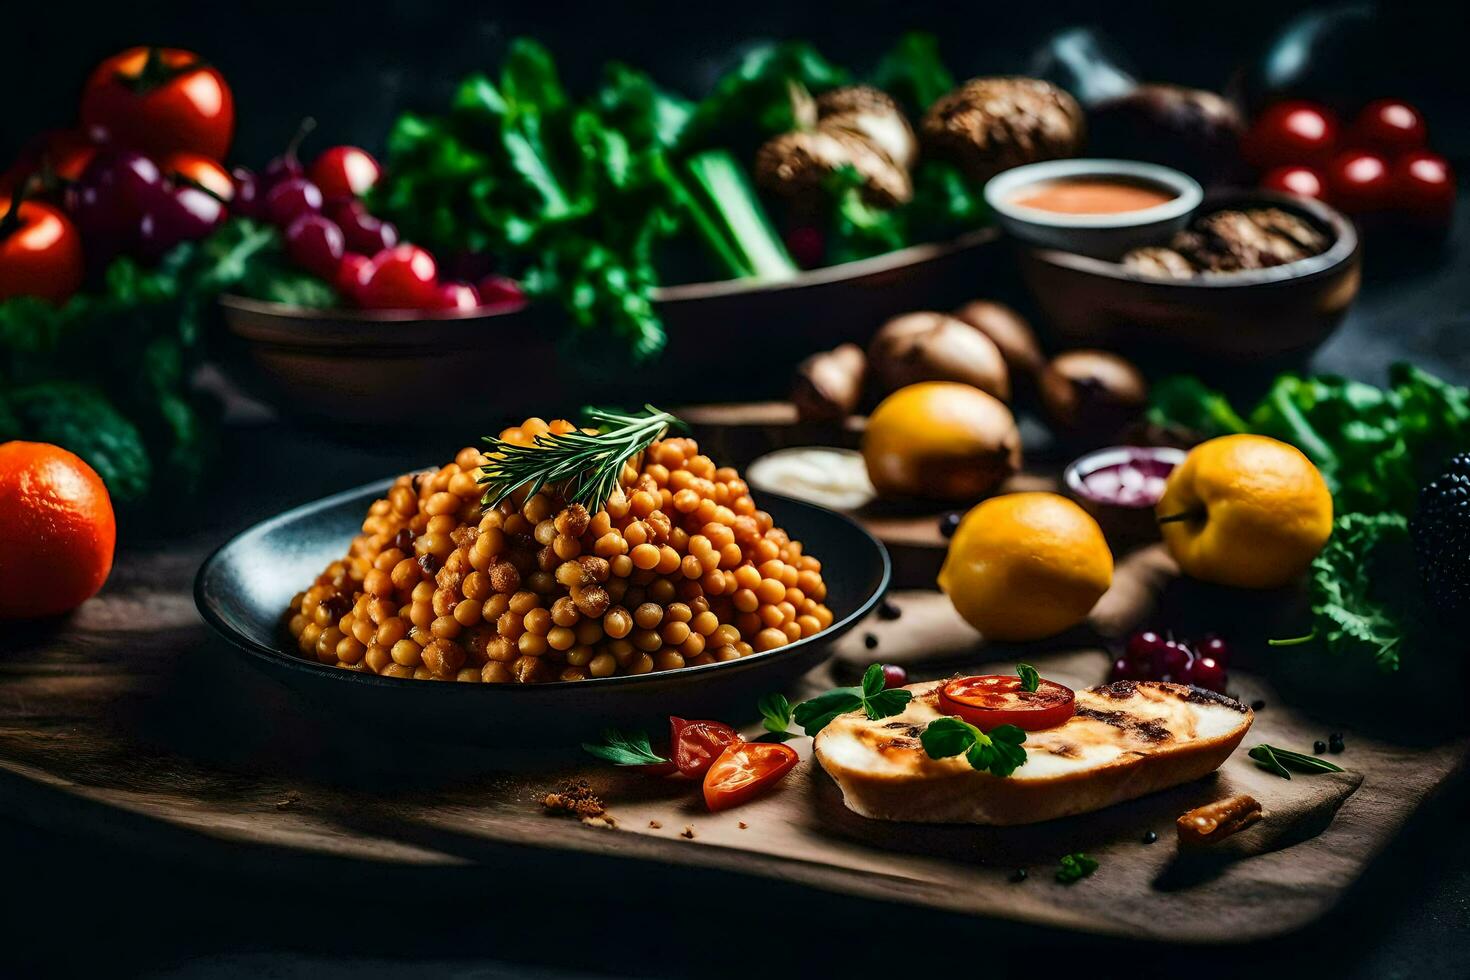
(244, 587)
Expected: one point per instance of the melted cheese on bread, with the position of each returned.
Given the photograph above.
(1125, 740)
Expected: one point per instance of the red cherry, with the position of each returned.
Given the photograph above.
(1206, 672)
(1424, 188)
(1359, 182)
(894, 676)
(457, 296)
(290, 199)
(352, 272)
(1144, 645)
(1125, 669)
(315, 244)
(345, 172)
(1214, 648)
(501, 294)
(1298, 180)
(1172, 661)
(1291, 132)
(401, 278)
(1390, 127)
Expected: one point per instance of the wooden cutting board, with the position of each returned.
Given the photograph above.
(127, 722)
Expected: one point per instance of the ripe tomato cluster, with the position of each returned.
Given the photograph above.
(330, 233)
(1378, 167)
(139, 174)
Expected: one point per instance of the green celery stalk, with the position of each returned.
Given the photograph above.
(731, 219)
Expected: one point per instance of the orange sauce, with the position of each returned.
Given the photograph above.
(1092, 195)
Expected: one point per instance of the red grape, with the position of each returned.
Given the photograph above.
(894, 676)
(364, 233)
(1299, 180)
(400, 278)
(345, 172)
(315, 244)
(1389, 126)
(290, 199)
(1291, 132)
(501, 293)
(248, 201)
(177, 214)
(1424, 188)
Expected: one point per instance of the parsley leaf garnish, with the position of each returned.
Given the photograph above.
(775, 712)
(625, 749)
(814, 714)
(1030, 679)
(1074, 867)
(1282, 761)
(998, 751)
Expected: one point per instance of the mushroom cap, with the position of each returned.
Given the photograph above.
(992, 124)
(873, 113)
(795, 164)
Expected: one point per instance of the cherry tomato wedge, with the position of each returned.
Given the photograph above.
(744, 770)
(991, 700)
(696, 744)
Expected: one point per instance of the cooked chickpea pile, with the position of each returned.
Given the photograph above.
(678, 569)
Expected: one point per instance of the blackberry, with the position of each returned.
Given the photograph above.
(1441, 529)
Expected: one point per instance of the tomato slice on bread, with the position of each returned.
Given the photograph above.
(990, 700)
(696, 744)
(744, 770)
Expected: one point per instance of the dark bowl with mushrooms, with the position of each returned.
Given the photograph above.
(1258, 277)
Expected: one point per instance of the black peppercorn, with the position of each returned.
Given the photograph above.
(1019, 875)
(1257, 705)
(1319, 746)
(1149, 837)
(949, 523)
(870, 641)
(887, 610)
(1334, 743)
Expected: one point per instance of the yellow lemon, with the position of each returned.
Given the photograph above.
(1024, 566)
(1245, 511)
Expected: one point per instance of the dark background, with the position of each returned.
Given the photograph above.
(72, 906)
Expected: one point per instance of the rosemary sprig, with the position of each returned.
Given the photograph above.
(587, 465)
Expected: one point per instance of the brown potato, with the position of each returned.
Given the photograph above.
(1090, 395)
(931, 346)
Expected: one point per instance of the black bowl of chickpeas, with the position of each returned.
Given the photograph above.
(547, 623)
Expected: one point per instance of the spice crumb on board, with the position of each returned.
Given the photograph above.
(288, 801)
(575, 799)
(742, 825)
(687, 832)
(655, 825)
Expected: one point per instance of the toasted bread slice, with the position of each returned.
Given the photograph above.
(1127, 739)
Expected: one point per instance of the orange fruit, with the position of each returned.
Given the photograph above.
(1023, 566)
(57, 531)
(1245, 511)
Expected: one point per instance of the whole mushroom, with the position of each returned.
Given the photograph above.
(992, 124)
(1091, 395)
(829, 385)
(932, 346)
(856, 126)
(1010, 332)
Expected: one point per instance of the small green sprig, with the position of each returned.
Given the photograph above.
(813, 715)
(1030, 679)
(1074, 867)
(625, 749)
(588, 465)
(1283, 761)
(998, 751)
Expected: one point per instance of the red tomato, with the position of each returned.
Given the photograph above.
(344, 172)
(400, 278)
(991, 700)
(1424, 188)
(696, 744)
(1291, 132)
(1298, 180)
(1359, 182)
(62, 153)
(160, 101)
(352, 272)
(1389, 126)
(744, 770)
(40, 252)
(198, 169)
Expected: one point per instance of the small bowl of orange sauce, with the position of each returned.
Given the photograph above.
(1100, 208)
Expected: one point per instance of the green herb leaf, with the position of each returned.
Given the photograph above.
(815, 714)
(625, 749)
(775, 712)
(886, 704)
(872, 681)
(1030, 679)
(1074, 867)
(1270, 757)
(999, 752)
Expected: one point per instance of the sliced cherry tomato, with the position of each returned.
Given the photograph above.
(200, 170)
(344, 172)
(1424, 188)
(400, 278)
(744, 770)
(991, 700)
(1389, 126)
(1298, 180)
(160, 101)
(40, 252)
(1291, 132)
(696, 744)
(1359, 182)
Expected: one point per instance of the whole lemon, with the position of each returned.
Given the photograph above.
(1023, 566)
(941, 440)
(1246, 511)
